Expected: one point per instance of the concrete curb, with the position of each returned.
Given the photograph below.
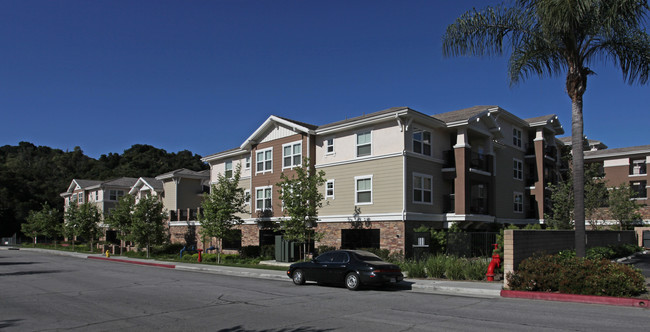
(169, 266)
(434, 288)
(593, 299)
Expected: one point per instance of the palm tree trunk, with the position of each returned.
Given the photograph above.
(577, 138)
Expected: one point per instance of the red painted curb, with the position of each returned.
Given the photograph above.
(593, 299)
(169, 266)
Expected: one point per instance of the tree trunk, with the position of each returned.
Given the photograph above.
(577, 138)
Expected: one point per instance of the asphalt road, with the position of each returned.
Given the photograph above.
(48, 292)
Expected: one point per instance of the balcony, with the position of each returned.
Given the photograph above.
(481, 162)
(449, 204)
(450, 159)
(638, 167)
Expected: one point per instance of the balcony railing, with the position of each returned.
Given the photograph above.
(480, 162)
(184, 214)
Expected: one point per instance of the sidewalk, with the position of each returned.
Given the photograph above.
(445, 287)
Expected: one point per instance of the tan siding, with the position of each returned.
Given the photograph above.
(169, 199)
(439, 189)
(386, 187)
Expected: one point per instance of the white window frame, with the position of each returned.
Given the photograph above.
(423, 176)
(356, 143)
(117, 195)
(225, 167)
(356, 190)
(247, 196)
(292, 155)
(270, 188)
(80, 198)
(517, 169)
(264, 161)
(327, 189)
(247, 163)
(518, 207)
(517, 136)
(327, 145)
(421, 141)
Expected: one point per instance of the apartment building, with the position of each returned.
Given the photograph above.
(627, 165)
(391, 171)
(103, 194)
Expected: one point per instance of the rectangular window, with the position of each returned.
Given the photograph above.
(364, 144)
(248, 162)
(80, 198)
(329, 145)
(114, 195)
(97, 195)
(516, 137)
(518, 202)
(228, 173)
(638, 167)
(518, 169)
(291, 155)
(329, 189)
(247, 194)
(264, 160)
(422, 188)
(639, 188)
(263, 198)
(422, 142)
(363, 189)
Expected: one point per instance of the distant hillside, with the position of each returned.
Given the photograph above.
(31, 175)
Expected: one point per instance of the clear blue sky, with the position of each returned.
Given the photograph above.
(203, 75)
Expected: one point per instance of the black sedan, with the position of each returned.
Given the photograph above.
(352, 267)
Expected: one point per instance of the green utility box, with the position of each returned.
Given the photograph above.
(285, 251)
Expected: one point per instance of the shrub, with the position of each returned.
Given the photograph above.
(168, 248)
(383, 253)
(267, 251)
(436, 266)
(575, 275)
(414, 269)
(454, 268)
(475, 268)
(249, 251)
(323, 249)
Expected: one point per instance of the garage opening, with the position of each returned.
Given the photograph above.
(359, 238)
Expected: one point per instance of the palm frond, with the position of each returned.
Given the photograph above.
(535, 57)
(629, 51)
(483, 32)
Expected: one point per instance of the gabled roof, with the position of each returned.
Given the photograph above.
(83, 184)
(272, 121)
(184, 173)
(550, 120)
(619, 152)
(402, 114)
(465, 115)
(151, 183)
(363, 117)
(225, 154)
(593, 144)
(123, 182)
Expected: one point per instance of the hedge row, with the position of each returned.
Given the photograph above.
(575, 275)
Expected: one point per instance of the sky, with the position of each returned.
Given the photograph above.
(204, 75)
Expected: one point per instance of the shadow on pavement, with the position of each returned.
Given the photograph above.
(293, 329)
(22, 273)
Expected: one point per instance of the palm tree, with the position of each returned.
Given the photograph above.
(552, 37)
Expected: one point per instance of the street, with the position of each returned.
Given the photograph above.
(41, 292)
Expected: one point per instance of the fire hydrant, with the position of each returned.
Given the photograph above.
(496, 262)
(200, 250)
(108, 254)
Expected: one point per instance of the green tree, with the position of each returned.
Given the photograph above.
(88, 220)
(220, 208)
(622, 206)
(70, 224)
(32, 227)
(148, 226)
(301, 197)
(552, 37)
(561, 214)
(121, 218)
(595, 195)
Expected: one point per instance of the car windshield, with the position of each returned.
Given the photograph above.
(368, 257)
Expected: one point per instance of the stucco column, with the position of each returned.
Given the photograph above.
(461, 182)
(538, 192)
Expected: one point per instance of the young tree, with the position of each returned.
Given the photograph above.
(301, 197)
(71, 223)
(220, 208)
(549, 37)
(33, 225)
(595, 195)
(561, 214)
(622, 206)
(87, 223)
(121, 218)
(148, 226)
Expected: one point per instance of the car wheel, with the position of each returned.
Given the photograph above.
(352, 281)
(298, 277)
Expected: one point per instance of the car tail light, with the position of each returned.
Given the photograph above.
(387, 271)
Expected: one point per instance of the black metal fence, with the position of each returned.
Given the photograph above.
(471, 244)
